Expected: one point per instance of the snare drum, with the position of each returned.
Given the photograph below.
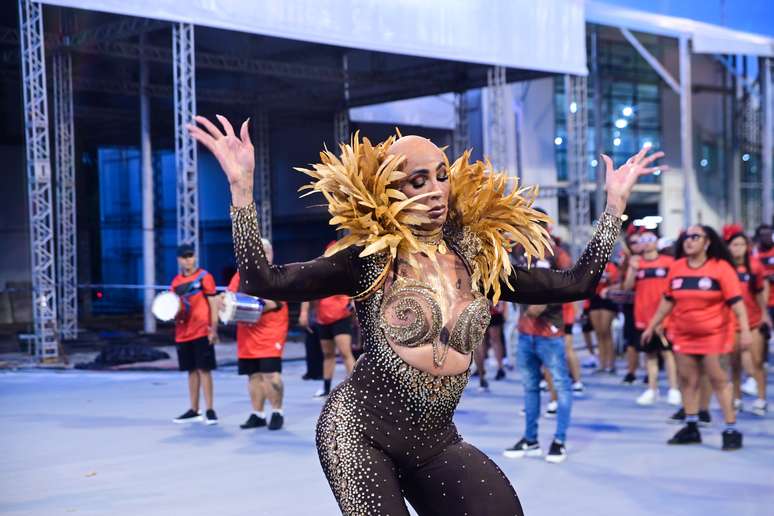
(166, 306)
(240, 308)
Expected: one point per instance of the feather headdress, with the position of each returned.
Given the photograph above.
(361, 188)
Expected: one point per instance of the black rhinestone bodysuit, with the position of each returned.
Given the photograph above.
(386, 435)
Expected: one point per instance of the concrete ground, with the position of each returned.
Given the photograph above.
(102, 443)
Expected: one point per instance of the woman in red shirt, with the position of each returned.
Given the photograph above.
(755, 291)
(602, 312)
(703, 289)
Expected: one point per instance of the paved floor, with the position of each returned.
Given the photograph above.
(101, 443)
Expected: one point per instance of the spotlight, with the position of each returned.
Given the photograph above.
(616, 141)
(558, 140)
(594, 163)
(745, 157)
(704, 163)
(627, 111)
(573, 107)
(621, 123)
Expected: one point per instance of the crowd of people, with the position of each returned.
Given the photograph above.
(698, 308)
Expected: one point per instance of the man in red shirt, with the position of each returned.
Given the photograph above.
(764, 252)
(647, 277)
(196, 331)
(259, 353)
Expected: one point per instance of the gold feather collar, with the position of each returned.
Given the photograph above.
(360, 186)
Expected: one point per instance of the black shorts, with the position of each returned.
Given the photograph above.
(496, 320)
(248, 366)
(196, 354)
(568, 329)
(341, 327)
(630, 334)
(599, 303)
(654, 345)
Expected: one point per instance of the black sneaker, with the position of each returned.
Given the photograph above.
(483, 384)
(557, 453)
(678, 417)
(500, 374)
(732, 440)
(689, 434)
(211, 419)
(253, 422)
(190, 416)
(629, 379)
(523, 449)
(275, 423)
(704, 418)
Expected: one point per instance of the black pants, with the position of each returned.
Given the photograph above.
(387, 433)
(314, 357)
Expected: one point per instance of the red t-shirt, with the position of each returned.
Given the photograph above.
(701, 321)
(649, 286)
(550, 323)
(332, 309)
(266, 338)
(756, 277)
(609, 277)
(193, 321)
(766, 259)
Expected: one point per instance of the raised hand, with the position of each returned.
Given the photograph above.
(234, 153)
(619, 182)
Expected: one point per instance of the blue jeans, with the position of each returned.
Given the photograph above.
(534, 351)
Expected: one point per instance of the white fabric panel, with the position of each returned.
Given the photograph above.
(436, 111)
(548, 35)
(707, 38)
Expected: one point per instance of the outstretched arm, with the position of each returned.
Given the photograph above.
(294, 282)
(539, 286)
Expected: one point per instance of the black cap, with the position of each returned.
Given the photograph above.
(185, 249)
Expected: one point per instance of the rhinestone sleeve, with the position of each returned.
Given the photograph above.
(318, 278)
(542, 286)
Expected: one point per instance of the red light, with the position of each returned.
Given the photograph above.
(99, 294)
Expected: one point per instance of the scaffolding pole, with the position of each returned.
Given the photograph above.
(686, 131)
(65, 198)
(599, 148)
(185, 147)
(576, 106)
(768, 137)
(41, 220)
(148, 226)
(263, 169)
(496, 130)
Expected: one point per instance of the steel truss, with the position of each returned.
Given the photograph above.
(461, 141)
(33, 60)
(341, 127)
(496, 127)
(576, 96)
(185, 146)
(65, 198)
(263, 168)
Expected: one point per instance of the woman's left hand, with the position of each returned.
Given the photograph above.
(745, 340)
(620, 182)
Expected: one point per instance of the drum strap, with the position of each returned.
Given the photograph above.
(189, 290)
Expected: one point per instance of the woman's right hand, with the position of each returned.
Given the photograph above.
(235, 154)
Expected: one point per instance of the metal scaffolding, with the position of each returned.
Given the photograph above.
(496, 125)
(340, 128)
(263, 168)
(576, 96)
(461, 141)
(33, 61)
(185, 147)
(65, 198)
(768, 141)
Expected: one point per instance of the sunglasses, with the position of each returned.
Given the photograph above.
(694, 236)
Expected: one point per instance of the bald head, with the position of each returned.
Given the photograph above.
(417, 150)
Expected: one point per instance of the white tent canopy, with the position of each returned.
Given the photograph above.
(546, 36)
(706, 38)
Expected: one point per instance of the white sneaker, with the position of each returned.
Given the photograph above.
(577, 388)
(551, 409)
(320, 394)
(759, 407)
(750, 386)
(648, 397)
(543, 385)
(738, 405)
(674, 397)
